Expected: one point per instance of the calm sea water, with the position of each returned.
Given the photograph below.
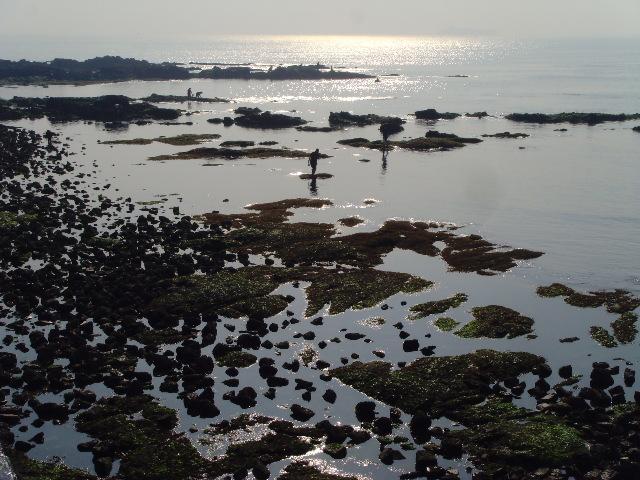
(574, 195)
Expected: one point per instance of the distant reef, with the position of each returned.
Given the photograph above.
(115, 69)
(572, 117)
(108, 108)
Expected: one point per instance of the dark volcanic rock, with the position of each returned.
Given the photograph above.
(433, 114)
(268, 120)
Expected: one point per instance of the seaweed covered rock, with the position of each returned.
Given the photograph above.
(422, 310)
(616, 301)
(496, 321)
(438, 385)
(304, 470)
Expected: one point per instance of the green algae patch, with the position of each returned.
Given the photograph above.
(268, 449)
(259, 307)
(237, 359)
(303, 470)
(199, 293)
(358, 289)
(28, 469)
(495, 321)
(446, 324)
(538, 441)
(616, 301)
(11, 220)
(423, 310)
(603, 337)
(144, 443)
(624, 327)
(554, 290)
(437, 384)
(493, 410)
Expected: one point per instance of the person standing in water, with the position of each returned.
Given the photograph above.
(189, 93)
(313, 161)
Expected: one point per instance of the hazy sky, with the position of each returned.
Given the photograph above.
(179, 18)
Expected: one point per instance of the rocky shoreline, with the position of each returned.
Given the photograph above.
(141, 305)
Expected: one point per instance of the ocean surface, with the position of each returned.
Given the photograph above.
(574, 194)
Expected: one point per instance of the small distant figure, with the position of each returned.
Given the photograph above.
(189, 93)
(377, 80)
(198, 94)
(313, 161)
(49, 136)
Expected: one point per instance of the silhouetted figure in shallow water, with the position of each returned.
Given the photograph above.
(313, 161)
(189, 93)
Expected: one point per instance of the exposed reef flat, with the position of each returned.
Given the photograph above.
(178, 140)
(108, 108)
(265, 230)
(423, 144)
(572, 117)
(234, 154)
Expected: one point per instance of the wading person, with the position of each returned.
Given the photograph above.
(189, 93)
(313, 161)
